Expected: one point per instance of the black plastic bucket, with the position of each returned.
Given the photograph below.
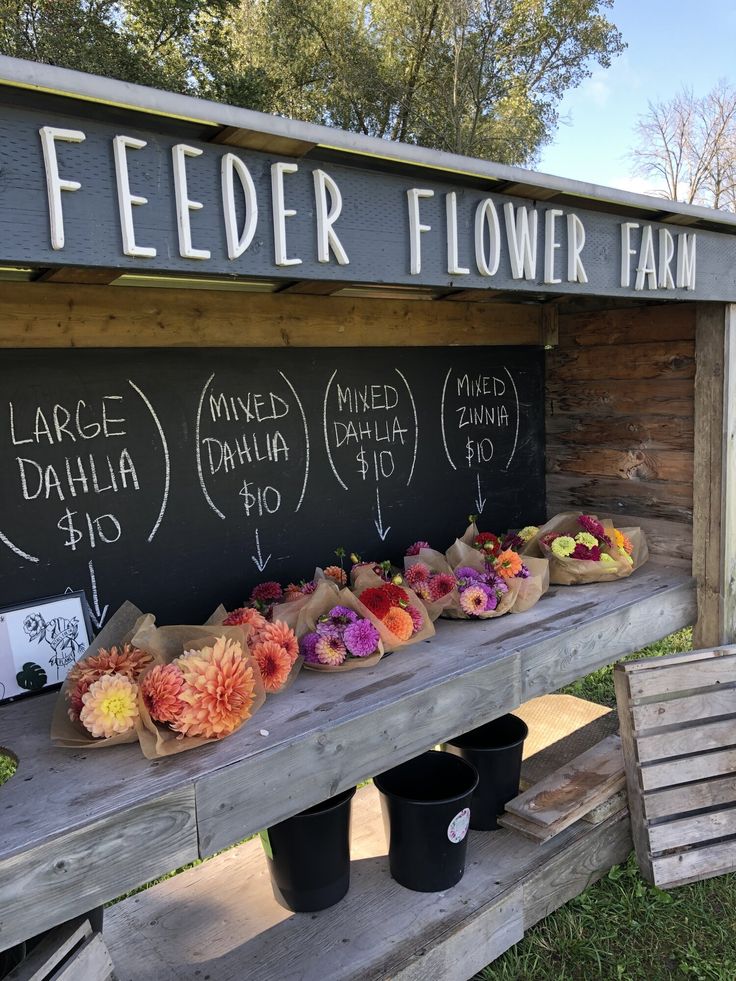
(426, 813)
(309, 855)
(495, 750)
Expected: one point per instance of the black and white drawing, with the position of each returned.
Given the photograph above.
(40, 641)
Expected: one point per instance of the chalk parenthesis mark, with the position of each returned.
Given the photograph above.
(416, 425)
(202, 484)
(516, 435)
(306, 440)
(324, 426)
(18, 551)
(442, 418)
(167, 461)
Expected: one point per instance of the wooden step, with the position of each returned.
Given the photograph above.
(220, 920)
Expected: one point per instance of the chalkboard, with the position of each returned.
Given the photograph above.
(179, 478)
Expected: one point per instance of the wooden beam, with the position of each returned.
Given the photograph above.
(79, 276)
(714, 486)
(49, 315)
(248, 139)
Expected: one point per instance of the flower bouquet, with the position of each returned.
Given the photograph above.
(169, 688)
(582, 549)
(204, 684)
(98, 702)
(340, 639)
(272, 643)
(396, 610)
(526, 579)
(428, 573)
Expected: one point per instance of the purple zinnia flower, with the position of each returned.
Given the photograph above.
(307, 647)
(592, 526)
(416, 548)
(342, 615)
(416, 617)
(465, 572)
(361, 638)
(512, 541)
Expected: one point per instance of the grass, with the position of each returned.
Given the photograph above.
(622, 928)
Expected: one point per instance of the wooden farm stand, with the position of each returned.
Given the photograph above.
(639, 425)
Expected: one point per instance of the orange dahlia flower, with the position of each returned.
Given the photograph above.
(246, 615)
(399, 622)
(336, 574)
(126, 660)
(274, 662)
(218, 691)
(161, 689)
(110, 706)
(508, 564)
(280, 633)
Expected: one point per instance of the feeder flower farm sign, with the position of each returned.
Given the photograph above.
(82, 192)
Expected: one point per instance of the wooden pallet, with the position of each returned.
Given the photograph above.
(72, 952)
(678, 729)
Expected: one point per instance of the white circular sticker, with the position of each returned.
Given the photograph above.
(458, 827)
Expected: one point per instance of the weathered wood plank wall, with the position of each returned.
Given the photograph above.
(620, 404)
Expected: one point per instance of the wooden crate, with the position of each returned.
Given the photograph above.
(678, 729)
(71, 952)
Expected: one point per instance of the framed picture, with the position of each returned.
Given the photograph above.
(40, 641)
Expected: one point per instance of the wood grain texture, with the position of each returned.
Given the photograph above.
(51, 951)
(714, 556)
(56, 315)
(693, 797)
(681, 710)
(714, 668)
(85, 867)
(620, 405)
(324, 734)
(671, 502)
(694, 866)
(655, 775)
(220, 916)
(570, 789)
(680, 756)
(637, 432)
(693, 830)
(633, 325)
(655, 359)
(698, 738)
(621, 681)
(624, 464)
(626, 397)
(91, 962)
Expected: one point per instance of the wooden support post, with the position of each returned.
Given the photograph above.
(714, 485)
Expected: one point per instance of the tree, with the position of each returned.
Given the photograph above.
(478, 77)
(688, 145)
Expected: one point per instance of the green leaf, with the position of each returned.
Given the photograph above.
(32, 677)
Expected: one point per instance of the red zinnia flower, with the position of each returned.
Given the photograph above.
(487, 543)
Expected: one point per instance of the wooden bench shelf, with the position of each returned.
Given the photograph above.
(79, 829)
(220, 919)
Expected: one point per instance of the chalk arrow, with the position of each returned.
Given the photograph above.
(480, 501)
(259, 561)
(382, 532)
(96, 615)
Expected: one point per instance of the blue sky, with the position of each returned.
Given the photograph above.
(672, 43)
